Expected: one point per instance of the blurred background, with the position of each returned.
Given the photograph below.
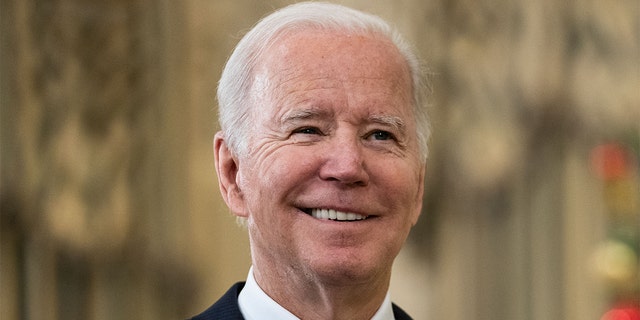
(109, 200)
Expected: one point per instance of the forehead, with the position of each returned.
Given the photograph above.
(306, 60)
(322, 50)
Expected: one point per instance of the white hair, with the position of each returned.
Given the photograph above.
(236, 82)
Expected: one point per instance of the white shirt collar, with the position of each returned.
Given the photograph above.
(255, 304)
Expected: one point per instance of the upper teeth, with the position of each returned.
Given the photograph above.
(336, 215)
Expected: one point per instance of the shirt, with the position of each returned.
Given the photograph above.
(255, 304)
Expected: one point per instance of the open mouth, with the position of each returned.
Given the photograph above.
(330, 214)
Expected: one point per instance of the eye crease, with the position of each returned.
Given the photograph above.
(377, 135)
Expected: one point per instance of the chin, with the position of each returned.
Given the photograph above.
(350, 270)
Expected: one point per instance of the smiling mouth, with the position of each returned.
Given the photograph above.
(330, 214)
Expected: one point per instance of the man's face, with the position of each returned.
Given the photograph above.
(333, 182)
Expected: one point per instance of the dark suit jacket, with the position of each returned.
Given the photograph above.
(227, 308)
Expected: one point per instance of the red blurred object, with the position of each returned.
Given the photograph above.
(611, 161)
(623, 312)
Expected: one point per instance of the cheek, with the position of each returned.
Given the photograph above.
(400, 187)
(289, 163)
(398, 190)
(274, 178)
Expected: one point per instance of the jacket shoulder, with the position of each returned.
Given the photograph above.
(226, 308)
(400, 314)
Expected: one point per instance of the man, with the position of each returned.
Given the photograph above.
(322, 152)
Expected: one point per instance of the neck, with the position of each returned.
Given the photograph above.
(319, 298)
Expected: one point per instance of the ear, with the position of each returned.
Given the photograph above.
(419, 196)
(227, 167)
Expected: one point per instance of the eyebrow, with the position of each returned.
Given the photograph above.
(303, 114)
(388, 120)
(394, 122)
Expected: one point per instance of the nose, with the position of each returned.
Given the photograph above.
(344, 162)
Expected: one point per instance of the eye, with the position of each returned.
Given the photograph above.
(381, 135)
(307, 130)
